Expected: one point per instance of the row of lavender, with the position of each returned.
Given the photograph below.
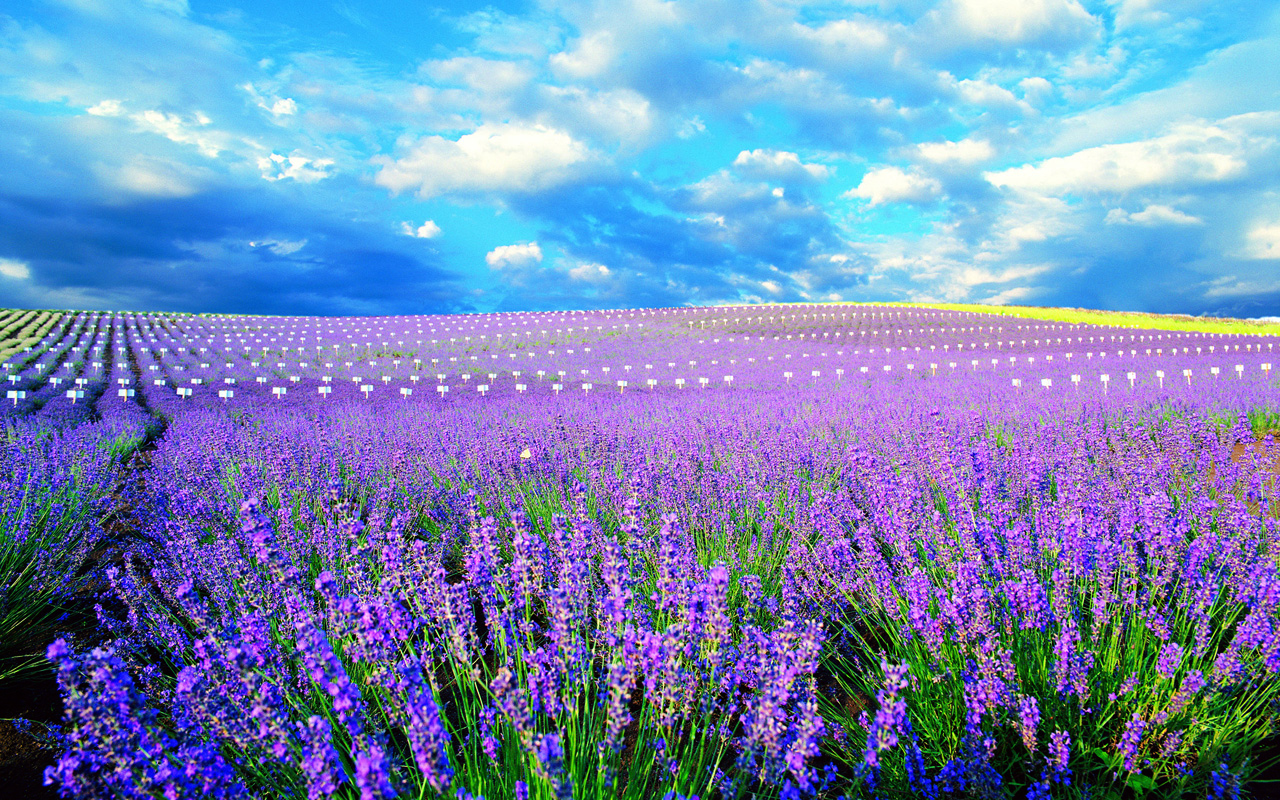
(933, 584)
(55, 499)
(315, 361)
(60, 464)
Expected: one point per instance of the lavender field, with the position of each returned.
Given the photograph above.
(737, 552)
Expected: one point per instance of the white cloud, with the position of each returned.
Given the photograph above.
(1214, 90)
(1151, 216)
(12, 268)
(151, 177)
(281, 247)
(1035, 90)
(1014, 295)
(427, 230)
(1025, 218)
(622, 115)
(592, 55)
(488, 75)
(1102, 66)
(722, 192)
(276, 106)
(1237, 286)
(1192, 154)
(1021, 22)
(1132, 13)
(514, 255)
(106, 108)
(194, 129)
(1263, 240)
(892, 185)
(590, 273)
(963, 152)
(986, 95)
(493, 158)
(848, 36)
(185, 130)
(972, 275)
(277, 167)
(691, 127)
(778, 165)
(1029, 232)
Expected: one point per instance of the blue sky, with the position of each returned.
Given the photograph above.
(414, 157)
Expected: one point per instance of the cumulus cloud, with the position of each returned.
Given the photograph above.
(13, 268)
(514, 255)
(1035, 90)
(1043, 22)
(777, 165)
(590, 273)
(1190, 155)
(494, 76)
(1151, 216)
(893, 185)
(591, 55)
(963, 152)
(619, 115)
(427, 230)
(1263, 240)
(495, 158)
(106, 108)
(277, 167)
(984, 94)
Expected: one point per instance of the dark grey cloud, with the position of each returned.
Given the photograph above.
(221, 251)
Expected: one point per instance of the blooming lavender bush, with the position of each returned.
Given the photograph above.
(861, 564)
(54, 500)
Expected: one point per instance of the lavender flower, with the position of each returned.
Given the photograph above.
(1170, 659)
(1060, 754)
(1131, 739)
(890, 717)
(319, 758)
(1028, 721)
(428, 738)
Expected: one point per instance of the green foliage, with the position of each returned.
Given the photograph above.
(1117, 319)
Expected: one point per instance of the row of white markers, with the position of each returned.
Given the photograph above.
(279, 392)
(126, 393)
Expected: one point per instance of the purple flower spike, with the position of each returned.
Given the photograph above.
(1132, 738)
(890, 718)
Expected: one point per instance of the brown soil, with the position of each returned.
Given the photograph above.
(22, 757)
(1261, 446)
